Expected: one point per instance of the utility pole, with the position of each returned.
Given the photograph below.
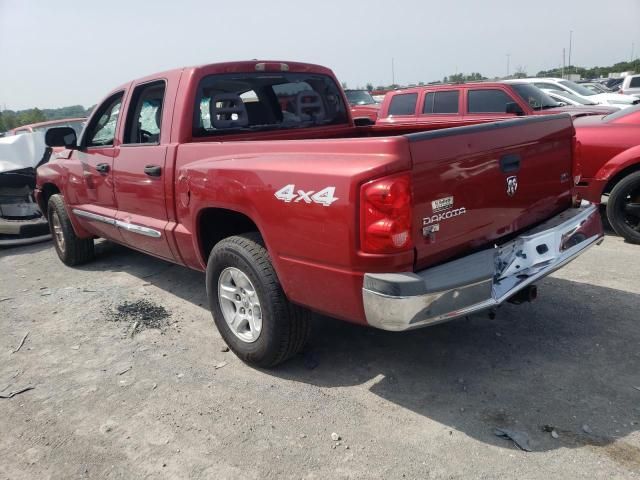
(393, 72)
(632, 46)
(570, 38)
(562, 63)
(508, 60)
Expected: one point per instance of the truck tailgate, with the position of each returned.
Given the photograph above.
(475, 185)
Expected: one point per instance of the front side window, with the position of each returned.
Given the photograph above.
(266, 101)
(536, 98)
(441, 102)
(102, 129)
(488, 101)
(403, 104)
(144, 118)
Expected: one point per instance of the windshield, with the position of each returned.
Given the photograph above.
(536, 98)
(359, 97)
(579, 89)
(229, 103)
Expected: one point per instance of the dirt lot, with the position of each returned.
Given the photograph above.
(163, 400)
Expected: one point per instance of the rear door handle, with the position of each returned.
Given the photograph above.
(510, 163)
(102, 167)
(153, 170)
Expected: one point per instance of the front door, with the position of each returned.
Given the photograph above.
(139, 173)
(91, 194)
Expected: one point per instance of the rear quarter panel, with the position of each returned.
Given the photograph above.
(314, 248)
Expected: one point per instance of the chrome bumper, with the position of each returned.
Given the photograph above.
(402, 301)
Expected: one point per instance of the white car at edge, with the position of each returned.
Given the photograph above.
(613, 99)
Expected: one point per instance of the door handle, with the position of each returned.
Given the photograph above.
(153, 170)
(102, 167)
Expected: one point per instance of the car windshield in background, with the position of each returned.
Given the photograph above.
(579, 89)
(536, 98)
(263, 101)
(359, 97)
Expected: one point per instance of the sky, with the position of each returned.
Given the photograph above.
(63, 52)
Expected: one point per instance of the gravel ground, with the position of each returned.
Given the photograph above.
(131, 380)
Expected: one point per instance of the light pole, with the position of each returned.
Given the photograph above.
(393, 72)
(508, 59)
(570, 38)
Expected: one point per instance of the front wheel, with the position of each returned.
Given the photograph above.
(71, 249)
(623, 208)
(249, 307)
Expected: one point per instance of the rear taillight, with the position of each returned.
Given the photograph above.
(385, 215)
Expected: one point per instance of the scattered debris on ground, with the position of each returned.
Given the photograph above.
(21, 343)
(220, 365)
(142, 314)
(520, 439)
(16, 392)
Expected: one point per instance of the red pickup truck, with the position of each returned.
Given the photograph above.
(255, 173)
(453, 105)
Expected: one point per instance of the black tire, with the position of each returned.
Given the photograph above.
(625, 191)
(71, 249)
(285, 327)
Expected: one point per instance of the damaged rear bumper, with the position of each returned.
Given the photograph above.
(402, 301)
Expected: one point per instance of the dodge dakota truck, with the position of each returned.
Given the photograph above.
(255, 173)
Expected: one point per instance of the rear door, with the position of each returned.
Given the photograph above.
(140, 173)
(442, 109)
(476, 185)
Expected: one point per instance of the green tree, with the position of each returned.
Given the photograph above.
(369, 87)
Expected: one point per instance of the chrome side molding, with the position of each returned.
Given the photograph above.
(130, 227)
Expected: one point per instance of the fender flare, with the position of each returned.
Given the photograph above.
(626, 160)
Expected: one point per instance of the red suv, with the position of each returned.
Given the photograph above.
(452, 105)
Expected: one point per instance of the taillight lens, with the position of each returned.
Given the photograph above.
(386, 215)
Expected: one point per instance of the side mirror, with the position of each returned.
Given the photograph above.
(513, 107)
(363, 122)
(61, 137)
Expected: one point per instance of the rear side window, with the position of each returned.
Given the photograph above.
(635, 82)
(488, 101)
(403, 104)
(441, 102)
(144, 117)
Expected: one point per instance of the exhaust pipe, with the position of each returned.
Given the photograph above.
(527, 294)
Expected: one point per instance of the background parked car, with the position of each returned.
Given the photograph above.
(608, 152)
(567, 98)
(362, 104)
(76, 123)
(596, 87)
(563, 85)
(631, 85)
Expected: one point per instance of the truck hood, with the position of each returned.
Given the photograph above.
(581, 110)
(613, 98)
(18, 152)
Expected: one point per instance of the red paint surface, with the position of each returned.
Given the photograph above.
(315, 249)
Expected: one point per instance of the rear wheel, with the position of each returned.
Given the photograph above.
(623, 208)
(70, 249)
(249, 307)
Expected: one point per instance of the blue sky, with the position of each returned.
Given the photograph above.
(57, 53)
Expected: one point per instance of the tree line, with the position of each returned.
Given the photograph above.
(12, 119)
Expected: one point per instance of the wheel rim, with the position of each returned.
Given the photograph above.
(57, 231)
(240, 304)
(631, 208)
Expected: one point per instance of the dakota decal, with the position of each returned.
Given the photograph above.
(439, 217)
